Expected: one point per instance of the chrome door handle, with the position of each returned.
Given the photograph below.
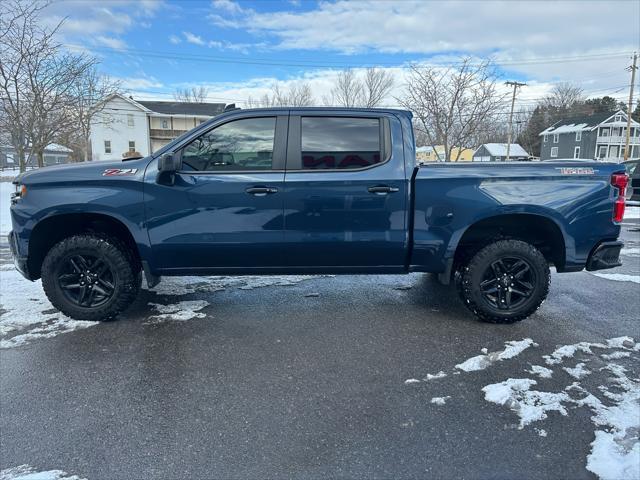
(261, 191)
(382, 189)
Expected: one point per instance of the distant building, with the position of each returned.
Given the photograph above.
(127, 125)
(600, 136)
(497, 152)
(53, 155)
(429, 154)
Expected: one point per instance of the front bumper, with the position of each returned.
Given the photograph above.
(605, 255)
(19, 261)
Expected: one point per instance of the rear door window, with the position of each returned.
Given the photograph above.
(340, 142)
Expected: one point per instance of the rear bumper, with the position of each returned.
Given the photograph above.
(19, 261)
(605, 255)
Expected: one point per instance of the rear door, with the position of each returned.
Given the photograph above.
(345, 192)
(224, 209)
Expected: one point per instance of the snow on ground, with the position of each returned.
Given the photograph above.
(542, 372)
(6, 189)
(409, 381)
(187, 285)
(27, 315)
(480, 362)
(434, 376)
(615, 450)
(579, 371)
(26, 472)
(180, 311)
(631, 212)
(618, 277)
(631, 251)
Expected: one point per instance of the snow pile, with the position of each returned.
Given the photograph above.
(480, 362)
(440, 400)
(579, 371)
(542, 372)
(568, 351)
(631, 212)
(409, 381)
(530, 405)
(180, 311)
(26, 472)
(27, 315)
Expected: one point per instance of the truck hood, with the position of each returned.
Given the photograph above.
(86, 171)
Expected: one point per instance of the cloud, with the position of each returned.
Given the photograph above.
(137, 84)
(193, 38)
(227, 6)
(111, 42)
(175, 39)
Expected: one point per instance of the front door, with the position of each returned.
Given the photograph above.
(345, 193)
(224, 209)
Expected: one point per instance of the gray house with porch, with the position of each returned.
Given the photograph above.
(600, 136)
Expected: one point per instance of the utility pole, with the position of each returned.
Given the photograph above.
(633, 69)
(513, 101)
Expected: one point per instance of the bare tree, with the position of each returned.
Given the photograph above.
(377, 86)
(453, 106)
(88, 95)
(347, 92)
(564, 97)
(296, 95)
(36, 77)
(17, 42)
(191, 95)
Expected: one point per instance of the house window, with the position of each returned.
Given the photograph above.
(554, 152)
(545, 138)
(130, 119)
(618, 118)
(578, 136)
(576, 152)
(604, 132)
(165, 124)
(556, 137)
(107, 146)
(132, 146)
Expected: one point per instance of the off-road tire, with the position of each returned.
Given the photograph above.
(472, 275)
(123, 265)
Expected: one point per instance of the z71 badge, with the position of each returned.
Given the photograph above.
(576, 171)
(119, 172)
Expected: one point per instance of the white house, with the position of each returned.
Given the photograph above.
(127, 125)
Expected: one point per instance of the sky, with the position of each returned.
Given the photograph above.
(240, 49)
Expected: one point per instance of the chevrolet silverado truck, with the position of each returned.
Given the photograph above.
(307, 191)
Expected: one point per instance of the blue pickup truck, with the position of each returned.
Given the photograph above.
(312, 190)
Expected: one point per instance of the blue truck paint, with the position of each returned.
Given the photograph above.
(206, 223)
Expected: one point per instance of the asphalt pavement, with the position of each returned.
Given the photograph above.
(322, 378)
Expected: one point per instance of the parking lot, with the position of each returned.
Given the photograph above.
(316, 377)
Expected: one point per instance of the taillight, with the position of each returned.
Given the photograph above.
(620, 181)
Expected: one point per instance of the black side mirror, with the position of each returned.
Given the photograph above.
(168, 165)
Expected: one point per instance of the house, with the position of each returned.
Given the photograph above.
(128, 125)
(600, 136)
(429, 154)
(497, 152)
(53, 155)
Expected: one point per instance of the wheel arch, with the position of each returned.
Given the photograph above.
(539, 230)
(50, 230)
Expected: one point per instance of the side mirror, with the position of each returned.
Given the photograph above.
(168, 165)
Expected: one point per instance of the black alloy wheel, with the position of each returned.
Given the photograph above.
(508, 282)
(86, 280)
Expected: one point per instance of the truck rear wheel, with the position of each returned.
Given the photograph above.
(505, 282)
(90, 277)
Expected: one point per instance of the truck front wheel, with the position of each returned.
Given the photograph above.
(90, 277)
(505, 282)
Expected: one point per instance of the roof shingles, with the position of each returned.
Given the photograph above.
(184, 108)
